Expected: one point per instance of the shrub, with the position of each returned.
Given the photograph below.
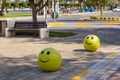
(117, 19)
(94, 17)
(101, 18)
(113, 18)
(109, 18)
(104, 18)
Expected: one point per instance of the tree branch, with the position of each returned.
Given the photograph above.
(39, 3)
(39, 8)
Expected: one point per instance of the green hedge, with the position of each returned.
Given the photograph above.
(69, 5)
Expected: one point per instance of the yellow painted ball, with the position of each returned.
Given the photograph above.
(49, 59)
(91, 43)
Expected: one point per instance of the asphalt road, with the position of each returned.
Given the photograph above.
(79, 16)
(64, 18)
(72, 17)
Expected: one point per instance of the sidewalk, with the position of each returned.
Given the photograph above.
(103, 69)
(18, 56)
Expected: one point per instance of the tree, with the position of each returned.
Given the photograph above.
(8, 5)
(0, 2)
(112, 3)
(36, 6)
(23, 5)
(80, 4)
(14, 5)
(2, 12)
(100, 4)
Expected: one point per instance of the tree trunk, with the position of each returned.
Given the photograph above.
(2, 12)
(73, 2)
(101, 11)
(49, 7)
(34, 13)
(36, 6)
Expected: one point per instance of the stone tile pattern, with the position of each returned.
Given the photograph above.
(104, 70)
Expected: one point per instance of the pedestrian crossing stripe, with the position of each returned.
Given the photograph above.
(111, 55)
(80, 75)
(82, 24)
(55, 24)
(117, 21)
(110, 24)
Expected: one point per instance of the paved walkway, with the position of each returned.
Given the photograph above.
(103, 69)
(18, 57)
(115, 75)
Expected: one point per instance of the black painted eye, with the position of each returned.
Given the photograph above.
(48, 52)
(42, 52)
(92, 38)
(87, 37)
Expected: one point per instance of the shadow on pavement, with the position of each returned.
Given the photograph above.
(26, 68)
(108, 36)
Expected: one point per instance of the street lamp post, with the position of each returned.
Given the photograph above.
(45, 11)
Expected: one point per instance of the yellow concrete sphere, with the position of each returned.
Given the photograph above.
(49, 59)
(91, 43)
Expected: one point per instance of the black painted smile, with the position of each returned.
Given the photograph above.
(44, 61)
(89, 43)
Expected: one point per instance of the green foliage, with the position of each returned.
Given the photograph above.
(104, 2)
(117, 18)
(103, 18)
(109, 18)
(16, 4)
(94, 17)
(113, 18)
(51, 33)
(112, 3)
(69, 5)
(23, 4)
(89, 3)
(8, 4)
(61, 34)
(16, 14)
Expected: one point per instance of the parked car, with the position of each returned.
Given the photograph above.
(116, 9)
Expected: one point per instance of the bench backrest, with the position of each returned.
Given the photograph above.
(29, 25)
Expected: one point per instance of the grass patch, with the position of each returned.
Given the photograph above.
(16, 14)
(51, 33)
(61, 34)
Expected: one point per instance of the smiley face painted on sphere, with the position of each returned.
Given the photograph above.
(91, 42)
(44, 56)
(49, 59)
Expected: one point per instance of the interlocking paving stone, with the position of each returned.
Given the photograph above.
(18, 57)
(103, 70)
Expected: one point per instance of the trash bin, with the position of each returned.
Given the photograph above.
(3, 25)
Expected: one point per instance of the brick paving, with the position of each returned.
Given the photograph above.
(115, 75)
(18, 56)
(104, 70)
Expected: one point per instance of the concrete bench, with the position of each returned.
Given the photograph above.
(28, 26)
